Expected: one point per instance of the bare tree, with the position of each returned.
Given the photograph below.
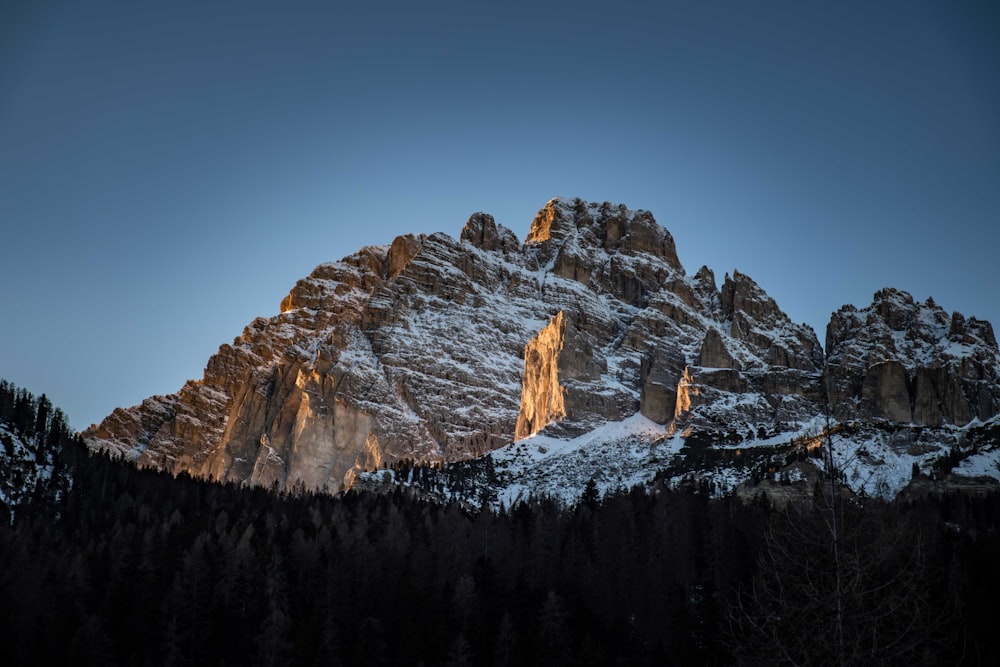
(840, 581)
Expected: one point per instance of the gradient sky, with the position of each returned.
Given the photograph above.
(169, 170)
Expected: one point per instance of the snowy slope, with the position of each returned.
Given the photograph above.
(26, 468)
(874, 459)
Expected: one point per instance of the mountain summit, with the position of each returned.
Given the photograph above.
(433, 349)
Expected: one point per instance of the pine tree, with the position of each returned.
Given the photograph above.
(42, 418)
(591, 496)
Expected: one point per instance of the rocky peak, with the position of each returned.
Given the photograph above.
(483, 232)
(896, 327)
(553, 219)
(435, 349)
(607, 227)
(741, 295)
(971, 331)
(892, 307)
(704, 287)
(755, 318)
(980, 331)
(842, 321)
(402, 251)
(906, 361)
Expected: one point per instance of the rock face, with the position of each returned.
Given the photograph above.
(542, 400)
(435, 349)
(911, 362)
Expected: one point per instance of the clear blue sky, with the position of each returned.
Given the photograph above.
(168, 170)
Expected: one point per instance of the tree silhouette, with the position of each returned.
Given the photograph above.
(842, 581)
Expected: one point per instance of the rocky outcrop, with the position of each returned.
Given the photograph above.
(911, 362)
(435, 349)
(885, 392)
(754, 317)
(713, 353)
(483, 232)
(542, 395)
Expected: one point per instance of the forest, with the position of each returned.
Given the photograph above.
(103, 563)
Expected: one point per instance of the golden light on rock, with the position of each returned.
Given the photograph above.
(542, 397)
(686, 388)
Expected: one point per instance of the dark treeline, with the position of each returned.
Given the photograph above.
(34, 420)
(142, 568)
(135, 567)
(32, 434)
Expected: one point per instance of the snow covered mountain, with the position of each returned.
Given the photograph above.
(587, 346)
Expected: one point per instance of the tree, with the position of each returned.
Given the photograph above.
(840, 581)
(591, 496)
(504, 641)
(23, 417)
(553, 630)
(459, 653)
(273, 644)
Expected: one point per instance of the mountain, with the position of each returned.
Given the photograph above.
(587, 344)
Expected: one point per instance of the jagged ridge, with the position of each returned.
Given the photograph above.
(435, 349)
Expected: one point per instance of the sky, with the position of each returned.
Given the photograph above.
(169, 170)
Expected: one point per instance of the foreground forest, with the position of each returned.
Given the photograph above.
(133, 567)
